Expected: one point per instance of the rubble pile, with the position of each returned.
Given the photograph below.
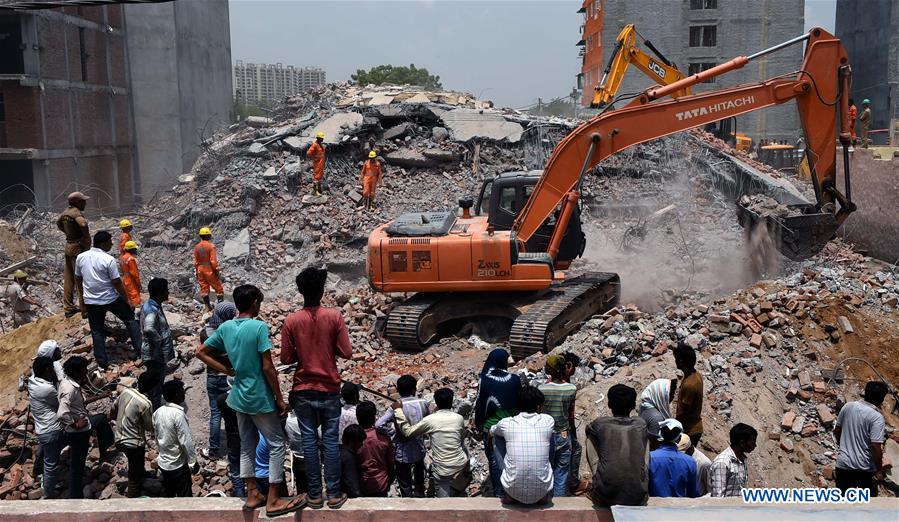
(769, 353)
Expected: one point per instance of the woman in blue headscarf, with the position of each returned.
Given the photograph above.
(497, 399)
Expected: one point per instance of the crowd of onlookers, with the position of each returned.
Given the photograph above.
(343, 447)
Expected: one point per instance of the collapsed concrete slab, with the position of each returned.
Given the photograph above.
(397, 131)
(409, 158)
(468, 124)
(335, 128)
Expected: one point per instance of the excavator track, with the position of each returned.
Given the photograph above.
(404, 321)
(539, 320)
(550, 319)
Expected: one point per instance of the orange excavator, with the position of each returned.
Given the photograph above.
(505, 269)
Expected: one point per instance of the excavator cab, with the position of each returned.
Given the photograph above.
(501, 200)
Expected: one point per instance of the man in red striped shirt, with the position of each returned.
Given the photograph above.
(313, 338)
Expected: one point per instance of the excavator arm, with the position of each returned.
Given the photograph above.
(818, 88)
(626, 52)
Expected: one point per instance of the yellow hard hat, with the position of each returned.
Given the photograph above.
(20, 274)
(372, 154)
(320, 134)
(130, 245)
(124, 223)
(205, 231)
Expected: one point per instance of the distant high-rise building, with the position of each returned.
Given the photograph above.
(869, 33)
(272, 82)
(696, 35)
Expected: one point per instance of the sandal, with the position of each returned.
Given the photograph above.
(337, 502)
(295, 504)
(315, 503)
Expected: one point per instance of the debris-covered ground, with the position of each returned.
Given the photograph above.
(770, 334)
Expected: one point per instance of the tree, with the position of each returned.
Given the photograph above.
(397, 75)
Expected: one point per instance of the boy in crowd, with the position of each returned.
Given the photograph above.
(177, 457)
(350, 471)
(559, 404)
(376, 456)
(410, 451)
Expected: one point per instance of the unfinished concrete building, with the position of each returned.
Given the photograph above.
(271, 82)
(868, 31)
(107, 99)
(696, 35)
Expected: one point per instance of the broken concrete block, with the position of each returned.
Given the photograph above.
(446, 156)
(755, 341)
(788, 419)
(409, 158)
(258, 121)
(256, 149)
(355, 197)
(786, 445)
(819, 386)
(824, 413)
(270, 173)
(397, 131)
(798, 423)
(467, 124)
(805, 380)
(845, 324)
(440, 134)
(237, 248)
(309, 199)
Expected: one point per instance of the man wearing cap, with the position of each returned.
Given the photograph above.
(130, 273)
(126, 227)
(78, 239)
(17, 294)
(703, 463)
(50, 349)
(316, 155)
(671, 473)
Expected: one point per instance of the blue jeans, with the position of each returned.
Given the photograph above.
(316, 409)
(495, 449)
(216, 384)
(574, 477)
(561, 463)
(96, 317)
(155, 393)
(52, 444)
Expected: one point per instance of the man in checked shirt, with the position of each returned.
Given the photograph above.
(527, 476)
(728, 474)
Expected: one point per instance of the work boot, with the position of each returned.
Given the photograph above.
(206, 302)
(362, 203)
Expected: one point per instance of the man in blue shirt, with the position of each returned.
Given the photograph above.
(671, 473)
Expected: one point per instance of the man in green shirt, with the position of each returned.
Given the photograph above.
(256, 396)
(559, 404)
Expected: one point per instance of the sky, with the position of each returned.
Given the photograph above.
(509, 51)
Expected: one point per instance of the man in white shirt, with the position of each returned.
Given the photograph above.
(101, 290)
(449, 462)
(527, 476)
(177, 455)
(44, 402)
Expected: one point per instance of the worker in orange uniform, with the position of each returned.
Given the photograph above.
(316, 155)
(130, 274)
(853, 114)
(371, 177)
(207, 266)
(126, 227)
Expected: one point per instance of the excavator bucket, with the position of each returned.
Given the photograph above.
(799, 234)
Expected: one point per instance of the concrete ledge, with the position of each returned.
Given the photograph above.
(439, 510)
